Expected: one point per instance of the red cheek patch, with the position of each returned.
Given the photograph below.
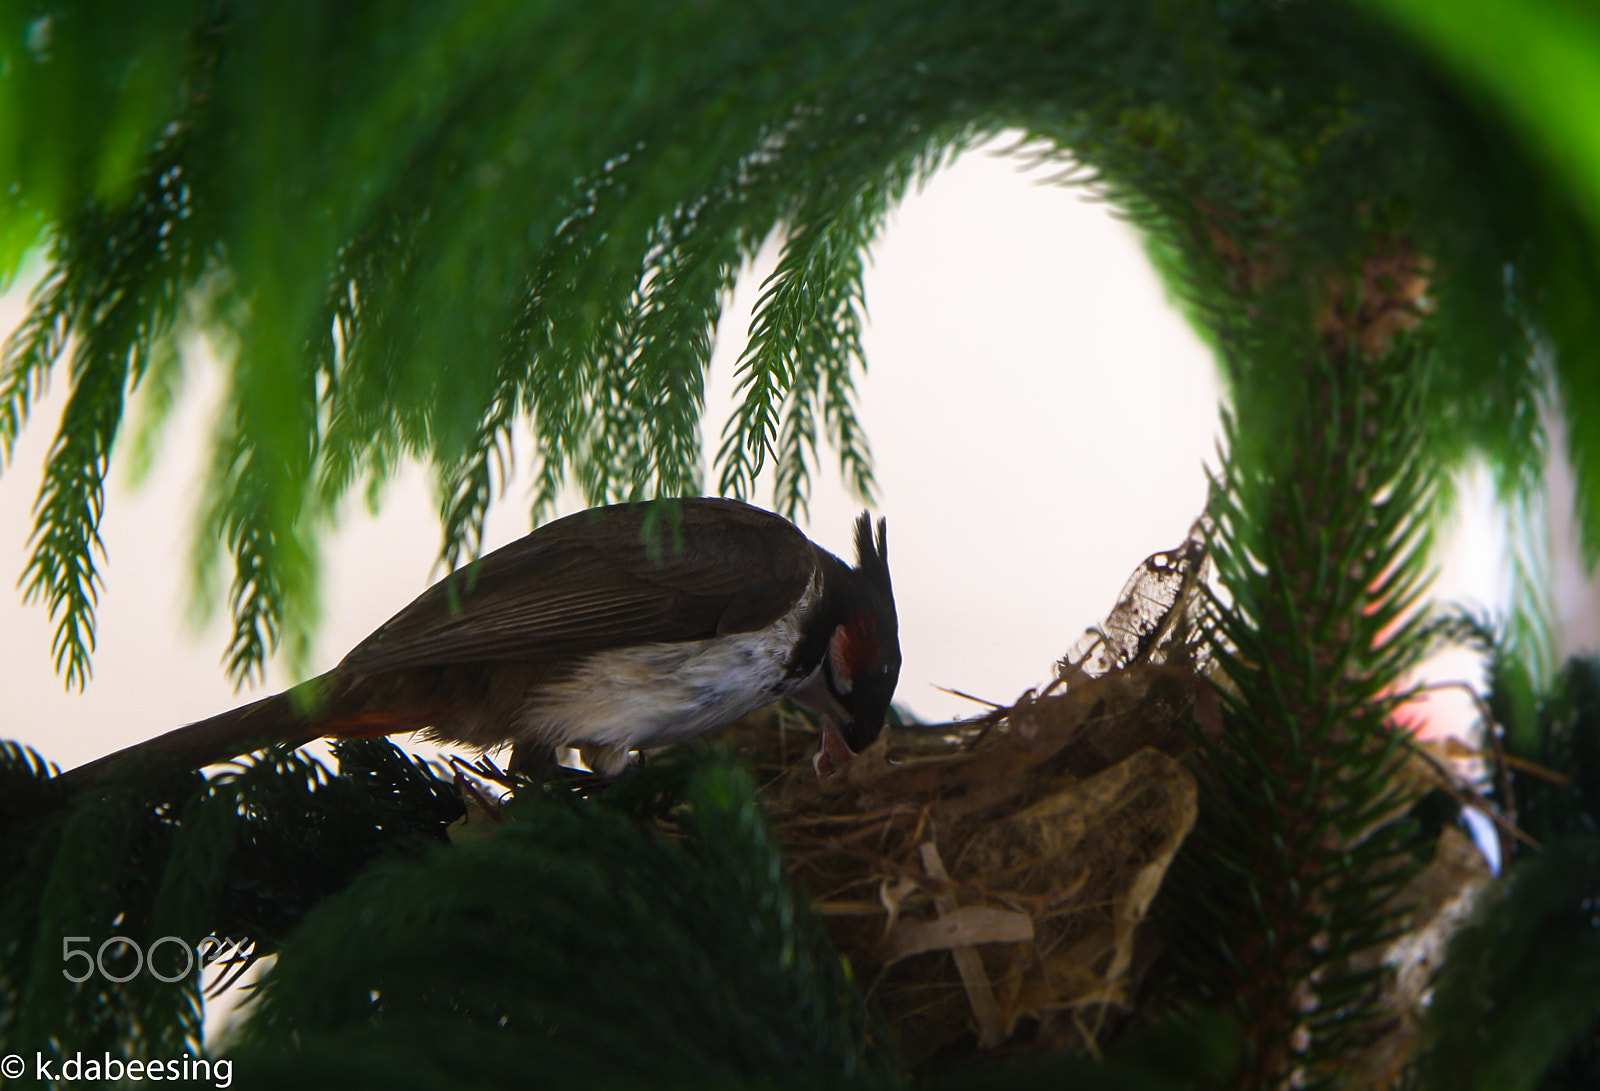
(854, 649)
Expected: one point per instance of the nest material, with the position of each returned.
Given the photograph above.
(990, 880)
(996, 895)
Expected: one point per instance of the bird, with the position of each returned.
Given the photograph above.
(615, 629)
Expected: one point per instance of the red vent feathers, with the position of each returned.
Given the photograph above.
(367, 725)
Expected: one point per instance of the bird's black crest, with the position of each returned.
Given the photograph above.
(872, 553)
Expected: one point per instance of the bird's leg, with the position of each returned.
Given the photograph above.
(533, 759)
(608, 760)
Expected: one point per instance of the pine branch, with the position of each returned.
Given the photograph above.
(1302, 848)
(805, 339)
(165, 859)
(565, 961)
(123, 313)
(30, 351)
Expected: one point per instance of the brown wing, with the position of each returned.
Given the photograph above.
(668, 570)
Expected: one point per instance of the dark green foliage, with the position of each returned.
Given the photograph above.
(1520, 999)
(1519, 1002)
(1198, 1051)
(157, 854)
(643, 936)
(575, 946)
(1561, 733)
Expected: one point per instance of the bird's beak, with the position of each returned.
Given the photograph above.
(834, 753)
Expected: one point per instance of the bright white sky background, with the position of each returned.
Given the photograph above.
(1040, 416)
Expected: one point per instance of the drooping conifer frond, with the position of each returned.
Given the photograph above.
(438, 226)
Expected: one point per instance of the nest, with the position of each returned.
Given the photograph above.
(991, 880)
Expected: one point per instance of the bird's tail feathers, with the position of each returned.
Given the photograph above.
(294, 716)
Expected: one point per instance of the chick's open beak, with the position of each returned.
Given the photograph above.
(834, 753)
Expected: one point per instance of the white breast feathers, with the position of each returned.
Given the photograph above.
(654, 694)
